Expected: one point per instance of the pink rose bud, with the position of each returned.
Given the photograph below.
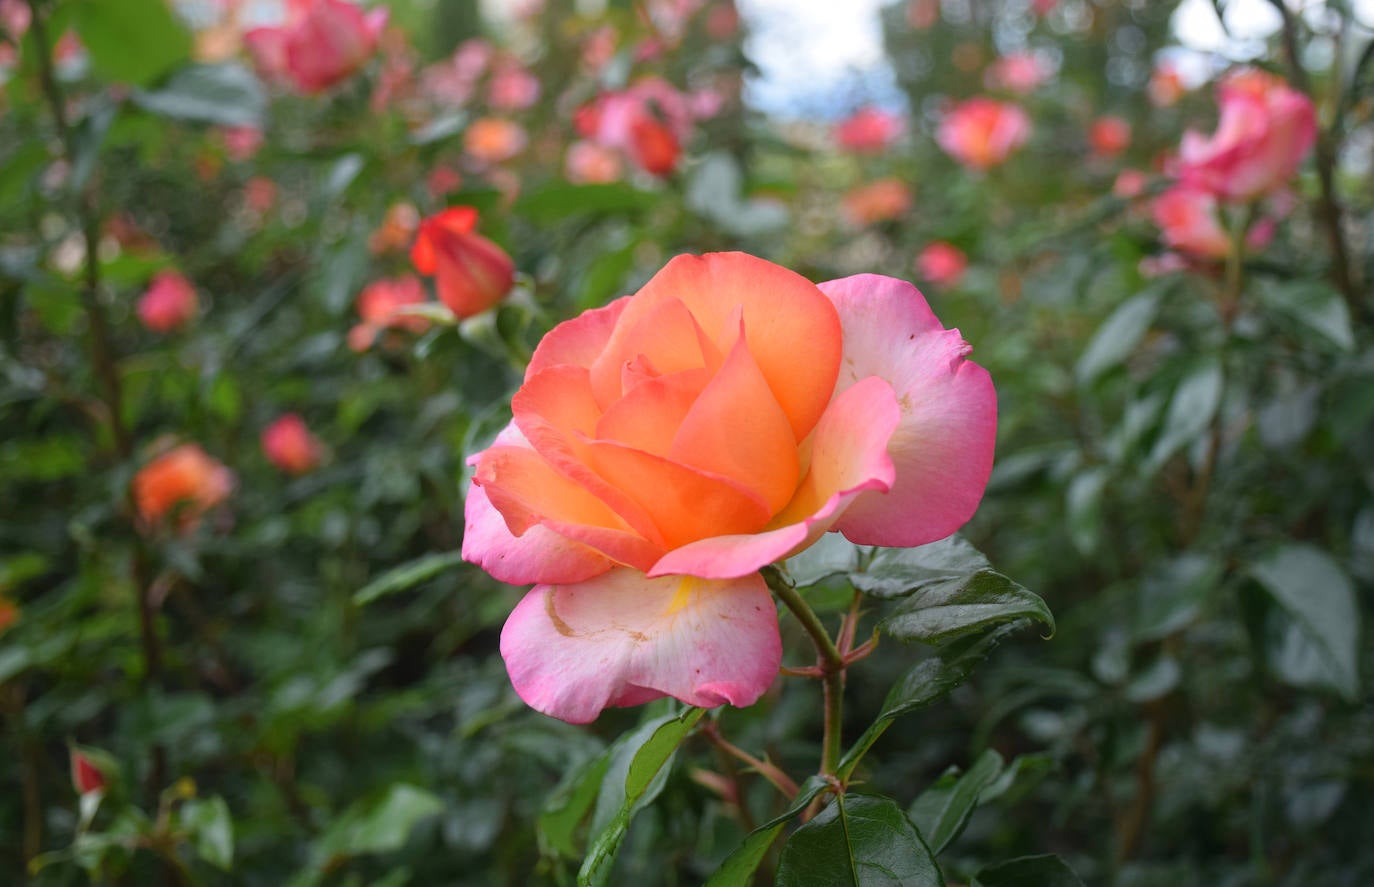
(379, 307)
(1129, 183)
(868, 131)
(1021, 73)
(981, 133)
(168, 304)
(321, 43)
(1109, 136)
(86, 776)
(471, 273)
(665, 448)
(941, 263)
(1188, 220)
(290, 446)
(1265, 130)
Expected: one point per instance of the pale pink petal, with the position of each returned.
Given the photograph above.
(539, 555)
(623, 639)
(849, 459)
(943, 446)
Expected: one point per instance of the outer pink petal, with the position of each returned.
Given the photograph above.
(943, 447)
(539, 555)
(579, 341)
(624, 639)
(849, 458)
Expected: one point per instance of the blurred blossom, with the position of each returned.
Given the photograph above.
(241, 142)
(86, 776)
(129, 235)
(169, 302)
(705, 103)
(321, 43)
(395, 79)
(588, 163)
(722, 20)
(491, 140)
(15, 17)
(878, 201)
(1044, 7)
(941, 263)
(288, 444)
(1130, 183)
(1109, 136)
(1166, 85)
(185, 479)
(599, 48)
(868, 130)
(512, 88)
(453, 80)
(982, 133)
(649, 122)
(9, 613)
(471, 273)
(922, 14)
(260, 194)
(1189, 222)
(1021, 73)
(1265, 131)
(442, 180)
(378, 305)
(397, 229)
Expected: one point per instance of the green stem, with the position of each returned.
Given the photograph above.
(830, 662)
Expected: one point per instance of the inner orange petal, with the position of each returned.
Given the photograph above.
(661, 330)
(647, 418)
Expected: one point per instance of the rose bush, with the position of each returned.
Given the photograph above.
(666, 447)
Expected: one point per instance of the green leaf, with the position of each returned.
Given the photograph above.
(1118, 336)
(926, 682)
(1321, 646)
(1083, 503)
(738, 868)
(407, 575)
(1194, 403)
(1172, 595)
(560, 200)
(652, 746)
(1314, 305)
(227, 94)
(132, 41)
(569, 804)
(1028, 871)
(379, 825)
(212, 830)
(942, 811)
(1017, 778)
(949, 589)
(858, 840)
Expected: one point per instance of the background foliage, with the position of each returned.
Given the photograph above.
(304, 688)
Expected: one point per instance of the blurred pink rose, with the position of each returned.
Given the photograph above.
(868, 130)
(288, 444)
(1129, 183)
(241, 142)
(491, 140)
(259, 194)
(169, 302)
(377, 306)
(1166, 85)
(922, 14)
(941, 263)
(443, 180)
(512, 88)
(321, 43)
(452, 80)
(879, 201)
(1020, 72)
(15, 17)
(649, 122)
(1264, 132)
(588, 163)
(982, 132)
(1109, 136)
(1189, 222)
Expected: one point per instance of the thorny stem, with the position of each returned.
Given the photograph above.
(1325, 154)
(771, 772)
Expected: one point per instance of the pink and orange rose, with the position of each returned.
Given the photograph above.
(981, 133)
(668, 446)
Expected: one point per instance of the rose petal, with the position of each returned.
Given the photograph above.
(664, 335)
(849, 459)
(540, 555)
(622, 639)
(648, 417)
(943, 446)
(782, 311)
(576, 342)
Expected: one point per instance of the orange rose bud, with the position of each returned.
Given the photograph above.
(184, 476)
(471, 273)
(290, 446)
(86, 776)
(654, 147)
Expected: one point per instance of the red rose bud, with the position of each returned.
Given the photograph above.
(654, 147)
(168, 304)
(471, 273)
(86, 776)
(290, 446)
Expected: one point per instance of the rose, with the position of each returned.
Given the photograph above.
(1264, 132)
(1188, 220)
(982, 133)
(878, 201)
(184, 478)
(288, 444)
(666, 447)
(1020, 72)
(321, 43)
(381, 304)
(868, 131)
(1109, 136)
(491, 140)
(87, 777)
(168, 304)
(941, 263)
(471, 273)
